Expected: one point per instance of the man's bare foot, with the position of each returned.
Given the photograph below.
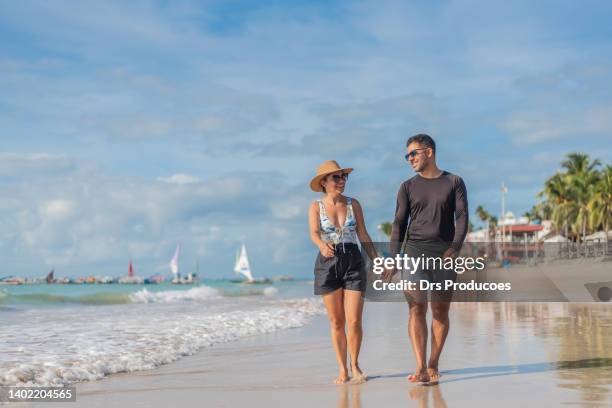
(419, 376)
(358, 375)
(434, 375)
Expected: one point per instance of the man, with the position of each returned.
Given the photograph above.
(432, 207)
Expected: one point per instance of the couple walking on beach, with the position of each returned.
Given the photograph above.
(431, 210)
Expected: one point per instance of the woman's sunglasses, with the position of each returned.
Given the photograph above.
(414, 153)
(338, 177)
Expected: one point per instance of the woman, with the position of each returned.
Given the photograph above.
(336, 223)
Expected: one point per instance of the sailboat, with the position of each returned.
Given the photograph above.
(243, 268)
(131, 278)
(174, 268)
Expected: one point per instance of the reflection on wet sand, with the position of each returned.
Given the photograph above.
(565, 346)
(423, 395)
(354, 401)
(586, 329)
(494, 371)
(574, 336)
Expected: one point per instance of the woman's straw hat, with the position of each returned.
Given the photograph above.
(328, 167)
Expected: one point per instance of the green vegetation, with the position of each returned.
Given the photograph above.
(577, 199)
(484, 216)
(385, 228)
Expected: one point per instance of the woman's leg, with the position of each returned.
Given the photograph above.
(334, 303)
(353, 308)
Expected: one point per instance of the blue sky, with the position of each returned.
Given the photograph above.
(127, 127)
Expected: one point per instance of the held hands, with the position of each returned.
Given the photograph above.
(327, 249)
(449, 253)
(388, 274)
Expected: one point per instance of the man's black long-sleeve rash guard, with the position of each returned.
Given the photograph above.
(432, 210)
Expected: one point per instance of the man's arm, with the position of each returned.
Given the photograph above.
(461, 215)
(400, 222)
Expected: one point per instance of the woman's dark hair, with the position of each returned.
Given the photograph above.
(424, 140)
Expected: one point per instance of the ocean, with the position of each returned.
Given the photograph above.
(53, 335)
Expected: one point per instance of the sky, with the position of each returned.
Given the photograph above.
(127, 128)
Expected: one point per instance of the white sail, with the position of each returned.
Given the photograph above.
(242, 264)
(174, 266)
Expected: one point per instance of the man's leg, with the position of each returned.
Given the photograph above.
(439, 330)
(417, 330)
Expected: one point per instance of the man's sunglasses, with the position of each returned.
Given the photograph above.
(414, 153)
(338, 177)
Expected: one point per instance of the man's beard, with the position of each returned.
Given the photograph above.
(419, 167)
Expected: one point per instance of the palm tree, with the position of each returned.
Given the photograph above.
(579, 163)
(581, 177)
(568, 194)
(600, 207)
(482, 213)
(486, 217)
(541, 211)
(557, 196)
(386, 228)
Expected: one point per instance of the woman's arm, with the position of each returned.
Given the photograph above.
(327, 250)
(362, 232)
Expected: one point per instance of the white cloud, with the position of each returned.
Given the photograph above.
(88, 221)
(290, 208)
(148, 88)
(528, 128)
(180, 179)
(27, 164)
(56, 210)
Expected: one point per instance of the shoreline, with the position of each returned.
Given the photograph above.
(510, 353)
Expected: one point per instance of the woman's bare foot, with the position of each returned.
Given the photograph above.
(419, 376)
(342, 378)
(358, 375)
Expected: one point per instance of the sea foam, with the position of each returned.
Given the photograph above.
(170, 296)
(64, 346)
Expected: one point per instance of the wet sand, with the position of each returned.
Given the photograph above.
(506, 354)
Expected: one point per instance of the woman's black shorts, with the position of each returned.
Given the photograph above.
(343, 270)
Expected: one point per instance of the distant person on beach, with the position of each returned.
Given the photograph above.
(432, 208)
(336, 223)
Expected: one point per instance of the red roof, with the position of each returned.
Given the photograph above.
(523, 228)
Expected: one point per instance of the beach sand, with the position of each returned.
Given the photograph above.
(506, 354)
